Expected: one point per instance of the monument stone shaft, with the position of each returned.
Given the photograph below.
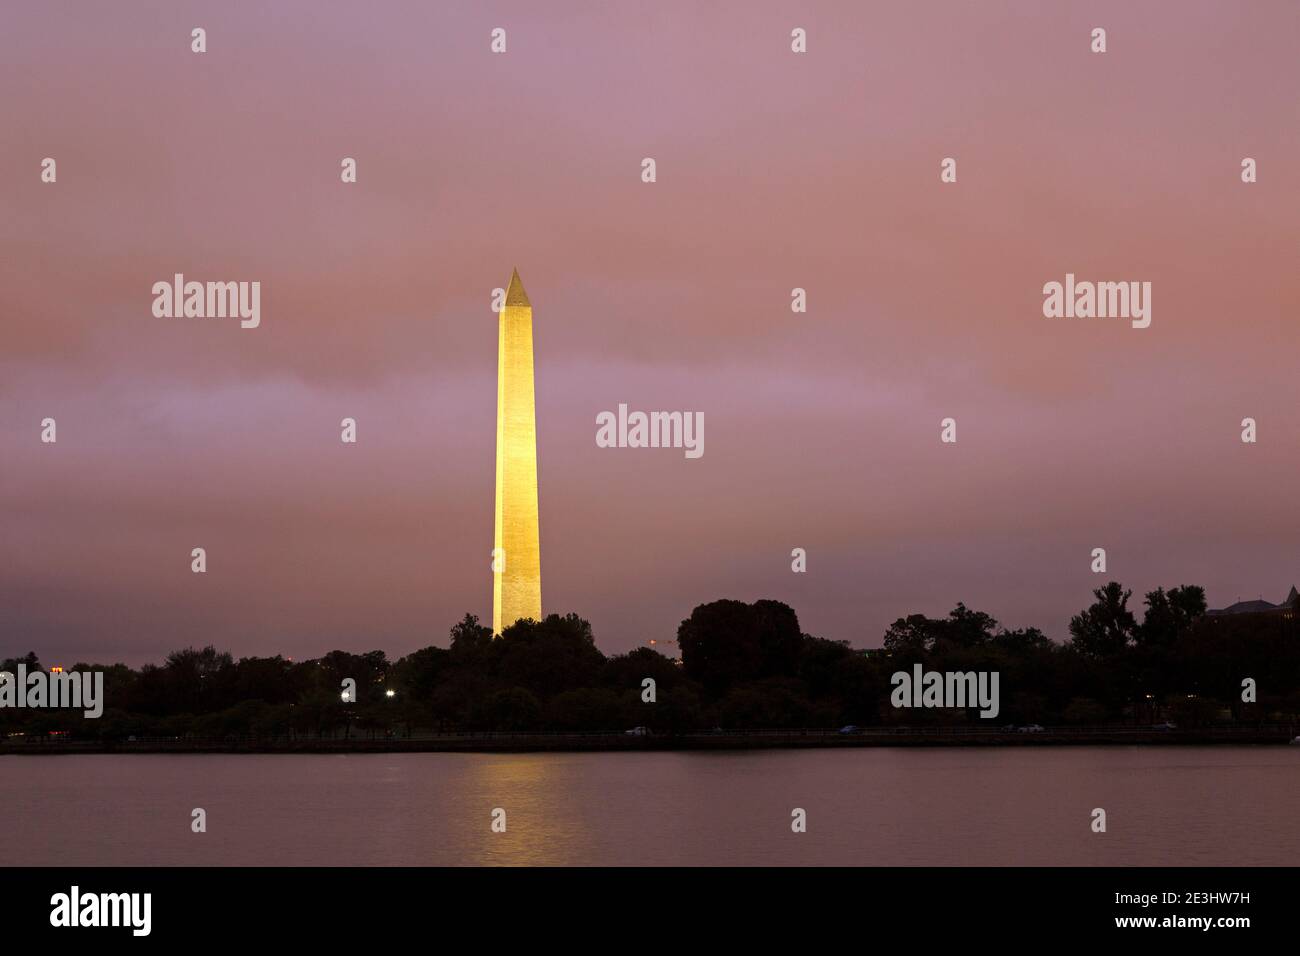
(517, 567)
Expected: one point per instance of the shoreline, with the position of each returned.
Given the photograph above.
(616, 742)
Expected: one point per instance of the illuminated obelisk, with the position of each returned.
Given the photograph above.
(517, 561)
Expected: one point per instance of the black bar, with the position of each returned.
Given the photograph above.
(374, 909)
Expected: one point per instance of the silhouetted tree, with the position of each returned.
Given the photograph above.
(729, 642)
(1170, 616)
(587, 709)
(548, 656)
(917, 634)
(470, 641)
(30, 661)
(198, 680)
(628, 670)
(1105, 628)
(513, 709)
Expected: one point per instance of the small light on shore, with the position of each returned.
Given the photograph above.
(390, 693)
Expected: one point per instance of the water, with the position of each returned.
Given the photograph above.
(865, 806)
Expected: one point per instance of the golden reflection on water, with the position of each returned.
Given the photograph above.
(538, 832)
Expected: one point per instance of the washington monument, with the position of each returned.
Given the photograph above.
(516, 556)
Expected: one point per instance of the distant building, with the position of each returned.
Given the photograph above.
(1287, 608)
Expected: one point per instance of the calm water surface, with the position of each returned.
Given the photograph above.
(868, 806)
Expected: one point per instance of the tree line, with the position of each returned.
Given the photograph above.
(742, 666)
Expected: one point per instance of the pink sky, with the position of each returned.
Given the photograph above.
(774, 170)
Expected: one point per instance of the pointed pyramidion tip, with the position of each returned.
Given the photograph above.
(515, 294)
